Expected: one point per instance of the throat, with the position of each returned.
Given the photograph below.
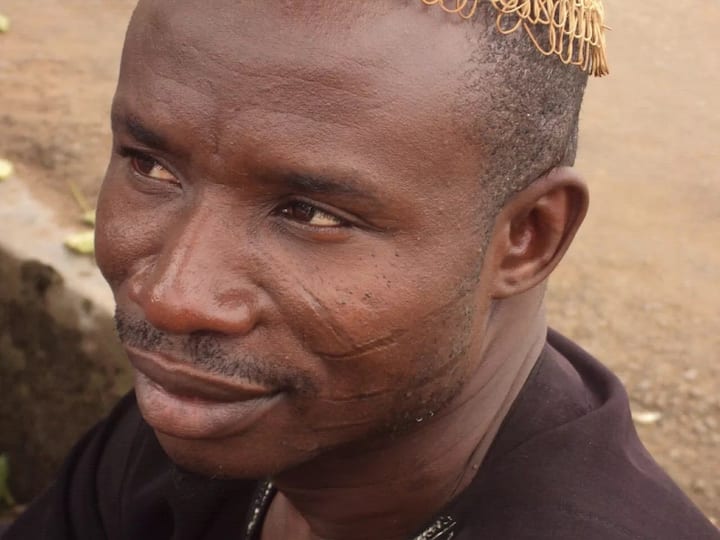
(281, 521)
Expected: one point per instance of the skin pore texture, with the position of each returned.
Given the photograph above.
(311, 281)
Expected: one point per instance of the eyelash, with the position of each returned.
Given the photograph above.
(312, 211)
(132, 154)
(282, 210)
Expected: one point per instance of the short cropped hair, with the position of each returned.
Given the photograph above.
(526, 109)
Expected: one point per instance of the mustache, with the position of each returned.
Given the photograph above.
(209, 352)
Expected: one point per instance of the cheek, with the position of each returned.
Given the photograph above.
(400, 380)
(128, 228)
(386, 336)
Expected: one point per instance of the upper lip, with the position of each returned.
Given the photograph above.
(182, 379)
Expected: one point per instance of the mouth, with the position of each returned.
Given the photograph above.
(185, 381)
(179, 400)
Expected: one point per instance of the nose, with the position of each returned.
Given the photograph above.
(197, 281)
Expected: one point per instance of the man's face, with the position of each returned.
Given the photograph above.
(291, 224)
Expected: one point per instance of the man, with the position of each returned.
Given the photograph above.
(328, 228)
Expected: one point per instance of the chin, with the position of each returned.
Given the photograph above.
(221, 458)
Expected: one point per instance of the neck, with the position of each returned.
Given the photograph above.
(393, 488)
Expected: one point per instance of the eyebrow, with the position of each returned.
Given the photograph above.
(324, 185)
(138, 131)
(344, 185)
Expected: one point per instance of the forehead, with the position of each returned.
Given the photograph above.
(340, 41)
(289, 71)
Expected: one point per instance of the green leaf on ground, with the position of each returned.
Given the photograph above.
(82, 243)
(4, 23)
(6, 169)
(88, 218)
(6, 497)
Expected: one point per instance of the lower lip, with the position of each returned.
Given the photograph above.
(195, 418)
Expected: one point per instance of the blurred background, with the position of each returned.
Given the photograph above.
(639, 289)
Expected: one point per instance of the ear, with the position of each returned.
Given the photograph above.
(534, 230)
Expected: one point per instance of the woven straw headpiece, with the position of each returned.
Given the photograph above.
(573, 29)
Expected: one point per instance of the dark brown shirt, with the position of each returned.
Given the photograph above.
(566, 465)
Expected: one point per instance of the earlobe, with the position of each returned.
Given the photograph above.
(534, 230)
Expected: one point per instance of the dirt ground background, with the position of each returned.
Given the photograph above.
(640, 287)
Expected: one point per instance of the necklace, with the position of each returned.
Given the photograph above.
(443, 528)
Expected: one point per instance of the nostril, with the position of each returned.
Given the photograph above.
(185, 290)
(178, 309)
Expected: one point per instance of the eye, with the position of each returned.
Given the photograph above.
(147, 166)
(311, 215)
